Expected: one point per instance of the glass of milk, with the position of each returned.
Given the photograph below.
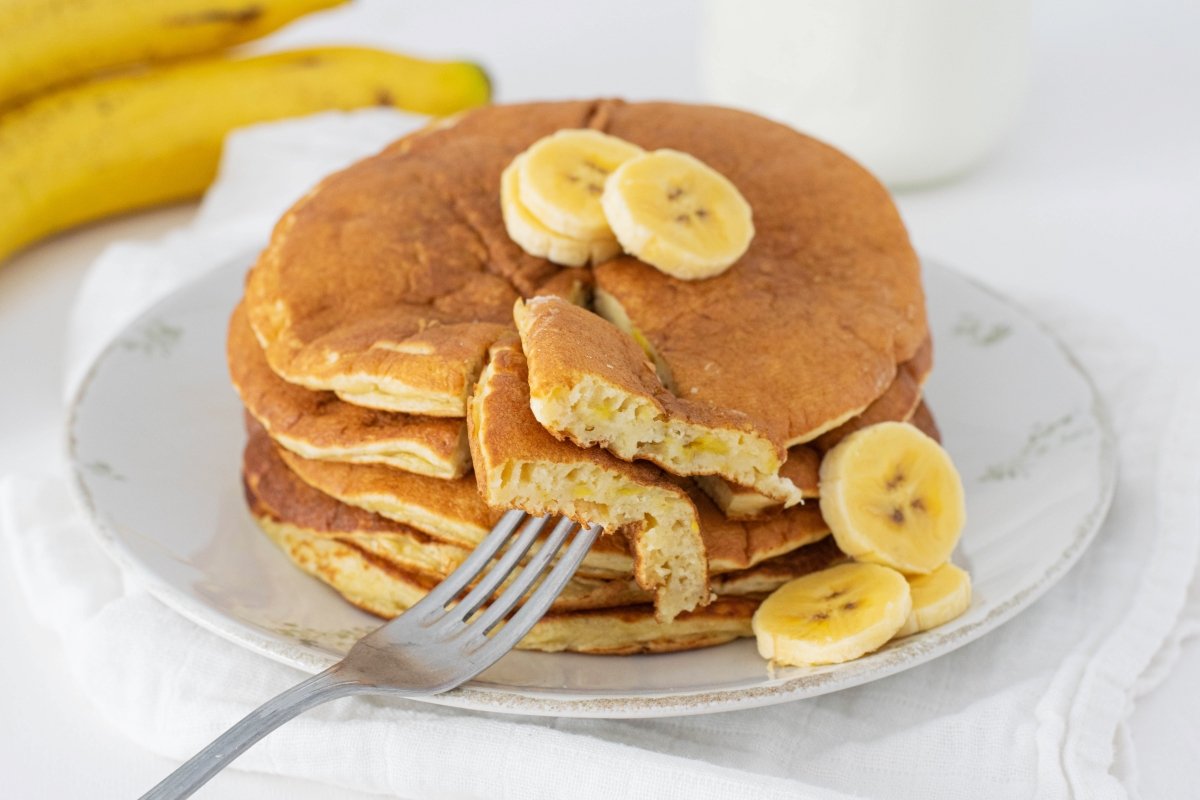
(917, 90)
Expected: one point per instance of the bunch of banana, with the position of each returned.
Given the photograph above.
(136, 139)
(894, 502)
(48, 43)
(580, 197)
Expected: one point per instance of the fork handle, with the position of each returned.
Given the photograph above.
(200, 768)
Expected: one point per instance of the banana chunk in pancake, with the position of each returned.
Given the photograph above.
(520, 465)
(590, 383)
(318, 425)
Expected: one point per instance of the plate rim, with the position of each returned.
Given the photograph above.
(534, 702)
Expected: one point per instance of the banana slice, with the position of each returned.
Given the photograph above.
(536, 239)
(562, 176)
(831, 616)
(937, 598)
(677, 214)
(891, 496)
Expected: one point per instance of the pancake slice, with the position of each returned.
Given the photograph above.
(274, 490)
(741, 544)
(280, 491)
(519, 464)
(746, 503)
(590, 383)
(389, 280)
(762, 579)
(589, 617)
(452, 510)
(900, 402)
(318, 425)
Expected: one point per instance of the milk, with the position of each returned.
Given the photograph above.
(917, 90)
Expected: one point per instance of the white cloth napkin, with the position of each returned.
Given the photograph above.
(1036, 708)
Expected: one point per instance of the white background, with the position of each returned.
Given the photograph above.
(1095, 198)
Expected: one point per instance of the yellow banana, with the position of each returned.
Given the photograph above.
(48, 42)
(677, 214)
(139, 140)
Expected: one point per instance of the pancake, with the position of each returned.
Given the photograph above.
(588, 617)
(923, 419)
(599, 617)
(376, 587)
(740, 544)
(425, 561)
(902, 402)
(747, 503)
(318, 425)
(281, 492)
(590, 383)
(759, 581)
(451, 510)
(388, 282)
(899, 402)
(806, 329)
(730, 545)
(518, 464)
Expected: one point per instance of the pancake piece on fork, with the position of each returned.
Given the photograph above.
(519, 464)
(589, 382)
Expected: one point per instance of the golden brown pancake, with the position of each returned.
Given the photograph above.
(804, 460)
(898, 403)
(318, 425)
(521, 465)
(388, 282)
(923, 419)
(280, 491)
(759, 581)
(379, 588)
(278, 498)
(740, 544)
(730, 545)
(806, 329)
(603, 617)
(589, 382)
(390, 279)
(451, 510)
(589, 616)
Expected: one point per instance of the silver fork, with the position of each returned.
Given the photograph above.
(434, 646)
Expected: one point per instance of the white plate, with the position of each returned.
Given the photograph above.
(155, 436)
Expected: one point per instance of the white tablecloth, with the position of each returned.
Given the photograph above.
(1093, 200)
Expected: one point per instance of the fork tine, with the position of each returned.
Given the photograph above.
(457, 580)
(490, 649)
(497, 574)
(530, 573)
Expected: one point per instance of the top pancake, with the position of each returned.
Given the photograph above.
(389, 281)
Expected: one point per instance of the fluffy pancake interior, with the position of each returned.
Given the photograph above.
(520, 465)
(590, 382)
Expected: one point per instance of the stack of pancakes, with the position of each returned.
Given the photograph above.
(387, 294)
